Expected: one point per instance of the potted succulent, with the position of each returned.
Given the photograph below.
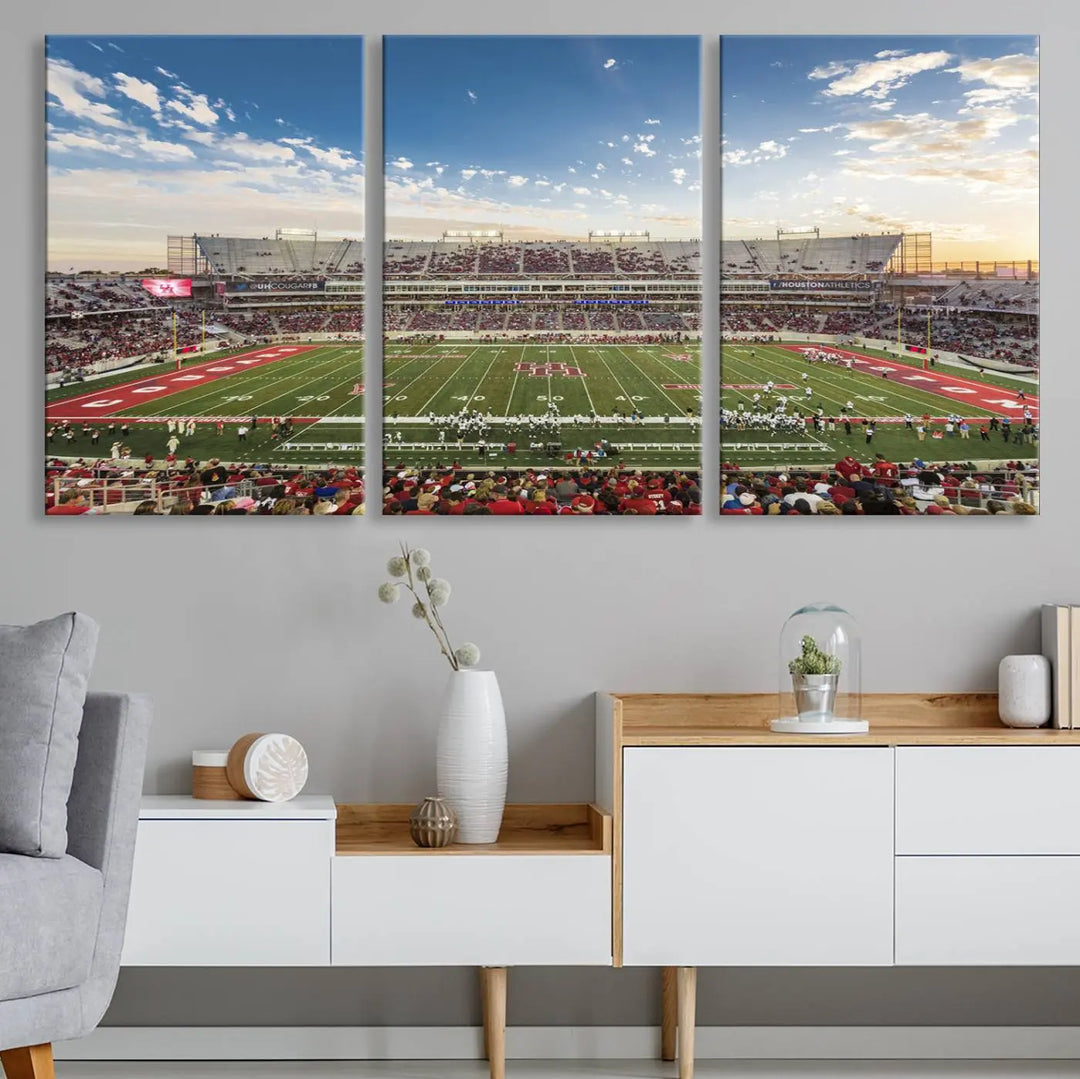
(814, 677)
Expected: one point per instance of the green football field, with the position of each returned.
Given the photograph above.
(508, 382)
(319, 386)
(882, 388)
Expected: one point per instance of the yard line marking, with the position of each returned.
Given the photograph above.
(424, 406)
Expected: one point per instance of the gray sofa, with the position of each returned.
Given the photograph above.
(63, 918)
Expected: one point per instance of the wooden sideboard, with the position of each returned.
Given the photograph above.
(931, 840)
(938, 838)
(309, 883)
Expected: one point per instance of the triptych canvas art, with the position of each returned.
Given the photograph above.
(542, 302)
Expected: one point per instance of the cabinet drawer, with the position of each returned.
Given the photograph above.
(987, 800)
(230, 893)
(472, 910)
(980, 911)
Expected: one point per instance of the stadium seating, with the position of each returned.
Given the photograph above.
(864, 254)
(1021, 297)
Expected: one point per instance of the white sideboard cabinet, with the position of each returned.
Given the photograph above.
(939, 838)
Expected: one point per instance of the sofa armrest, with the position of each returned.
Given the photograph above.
(103, 816)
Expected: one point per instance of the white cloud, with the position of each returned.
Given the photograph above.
(624, 138)
(230, 114)
(769, 150)
(334, 156)
(194, 106)
(517, 181)
(581, 191)
(207, 138)
(626, 161)
(645, 149)
(888, 54)
(652, 121)
(609, 63)
(883, 106)
(279, 121)
(678, 175)
(541, 183)
(70, 87)
(62, 141)
(95, 46)
(600, 166)
(468, 174)
(879, 78)
(403, 163)
(827, 71)
(167, 74)
(473, 96)
(164, 151)
(248, 149)
(145, 93)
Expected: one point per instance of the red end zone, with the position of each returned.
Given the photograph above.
(117, 399)
(962, 390)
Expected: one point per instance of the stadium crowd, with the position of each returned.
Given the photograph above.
(534, 492)
(1012, 336)
(198, 489)
(879, 487)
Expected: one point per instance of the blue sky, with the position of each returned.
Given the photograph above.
(865, 134)
(148, 136)
(542, 136)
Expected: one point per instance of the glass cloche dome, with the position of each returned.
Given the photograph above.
(820, 673)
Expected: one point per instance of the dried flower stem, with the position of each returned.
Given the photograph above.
(430, 612)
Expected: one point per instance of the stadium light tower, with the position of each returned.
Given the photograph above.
(801, 230)
(473, 234)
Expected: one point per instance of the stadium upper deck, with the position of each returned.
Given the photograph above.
(229, 256)
(800, 255)
(426, 260)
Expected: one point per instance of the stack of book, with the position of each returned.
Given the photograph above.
(1061, 646)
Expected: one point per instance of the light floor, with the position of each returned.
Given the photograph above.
(618, 1069)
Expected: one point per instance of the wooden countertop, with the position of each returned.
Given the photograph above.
(553, 828)
(717, 719)
(882, 735)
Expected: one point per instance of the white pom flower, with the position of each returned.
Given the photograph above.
(418, 611)
(439, 584)
(419, 557)
(423, 574)
(396, 567)
(388, 592)
(468, 655)
(439, 597)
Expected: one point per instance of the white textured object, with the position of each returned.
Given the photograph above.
(275, 767)
(470, 765)
(1024, 691)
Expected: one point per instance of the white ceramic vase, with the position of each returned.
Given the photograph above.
(1024, 691)
(470, 764)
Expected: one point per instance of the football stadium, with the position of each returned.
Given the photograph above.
(232, 382)
(857, 370)
(514, 369)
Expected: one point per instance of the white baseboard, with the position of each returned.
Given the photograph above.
(573, 1043)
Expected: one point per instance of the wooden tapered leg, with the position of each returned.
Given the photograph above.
(31, 1062)
(495, 1020)
(484, 1009)
(669, 1015)
(686, 991)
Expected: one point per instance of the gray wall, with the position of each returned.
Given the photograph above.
(236, 625)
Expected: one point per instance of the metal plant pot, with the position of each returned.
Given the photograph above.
(815, 695)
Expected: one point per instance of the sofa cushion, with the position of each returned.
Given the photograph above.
(44, 670)
(51, 910)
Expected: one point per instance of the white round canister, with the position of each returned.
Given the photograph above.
(1024, 691)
